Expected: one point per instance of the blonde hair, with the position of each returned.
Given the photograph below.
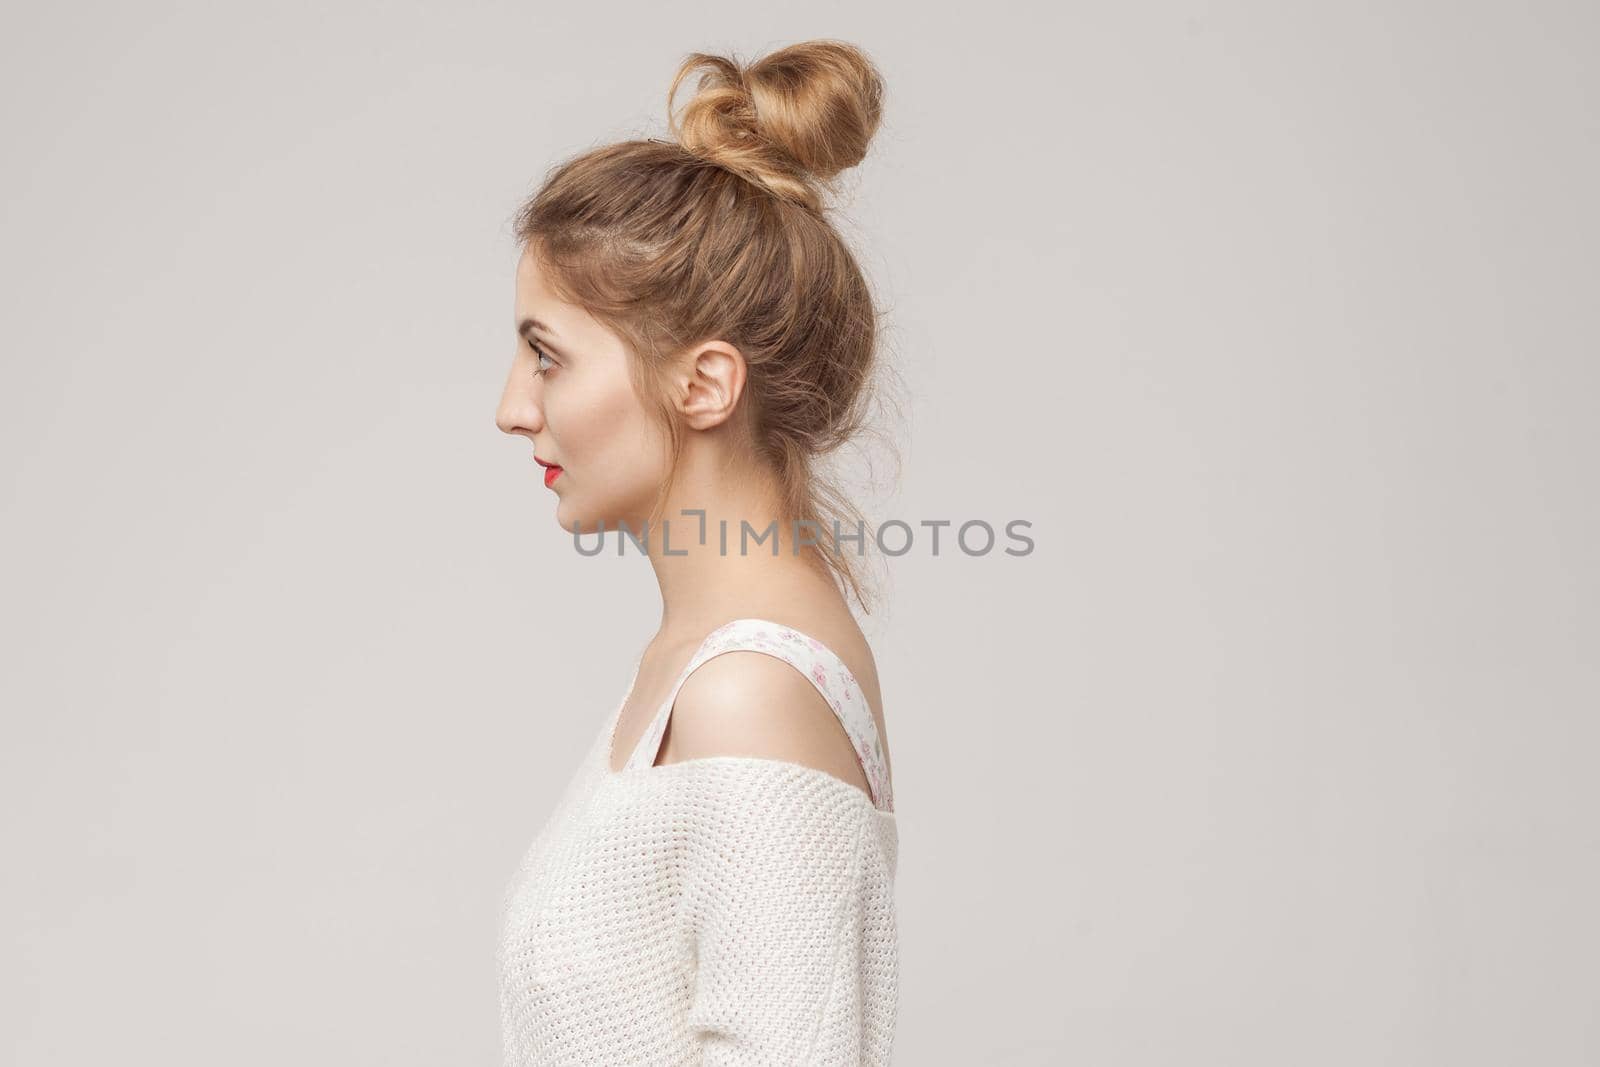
(724, 234)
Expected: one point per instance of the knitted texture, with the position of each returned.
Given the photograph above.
(721, 911)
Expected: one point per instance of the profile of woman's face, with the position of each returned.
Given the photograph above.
(569, 393)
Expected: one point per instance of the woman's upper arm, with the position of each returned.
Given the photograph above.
(776, 888)
(783, 887)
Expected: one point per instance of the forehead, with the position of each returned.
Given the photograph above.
(567, 325)
(533, 293)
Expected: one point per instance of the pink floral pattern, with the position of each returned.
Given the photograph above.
(810, 657)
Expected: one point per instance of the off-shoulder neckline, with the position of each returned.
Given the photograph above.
(764, 764)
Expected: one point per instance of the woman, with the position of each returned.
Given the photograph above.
(715, 885)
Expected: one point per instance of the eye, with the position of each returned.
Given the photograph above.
(538, 355)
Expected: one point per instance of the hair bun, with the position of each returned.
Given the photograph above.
(788, 121)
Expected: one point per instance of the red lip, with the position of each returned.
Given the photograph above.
(552, 471)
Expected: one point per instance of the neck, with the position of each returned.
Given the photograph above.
(738, 557)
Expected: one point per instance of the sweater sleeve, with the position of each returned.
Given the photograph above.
(788, 969)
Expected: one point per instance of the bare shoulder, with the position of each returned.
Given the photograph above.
(746, 703)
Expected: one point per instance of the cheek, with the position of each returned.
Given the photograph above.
(608, 431)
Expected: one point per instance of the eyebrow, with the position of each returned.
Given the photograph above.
(527, 325)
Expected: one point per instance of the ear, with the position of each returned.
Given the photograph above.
(708, 383)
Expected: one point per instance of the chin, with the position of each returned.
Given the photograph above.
(587, 520)
(572, 520)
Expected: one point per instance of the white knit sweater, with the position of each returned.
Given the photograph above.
(718, 911)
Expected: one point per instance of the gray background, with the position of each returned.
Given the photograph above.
(1275, 320)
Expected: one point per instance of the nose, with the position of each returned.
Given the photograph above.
(521, 408)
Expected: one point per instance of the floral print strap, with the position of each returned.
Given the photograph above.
(811, 658)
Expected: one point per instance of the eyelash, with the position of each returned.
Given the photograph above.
(538, 354)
